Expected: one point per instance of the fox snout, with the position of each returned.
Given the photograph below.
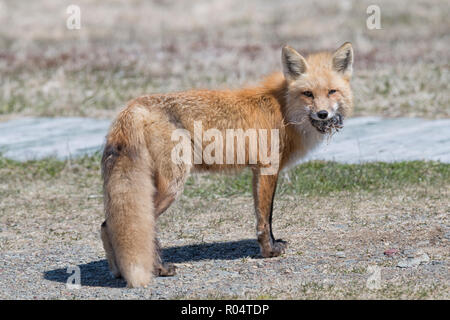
(323, 113)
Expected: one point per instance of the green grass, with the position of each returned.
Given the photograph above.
(312, 178)
(48, 168)
(321, 178)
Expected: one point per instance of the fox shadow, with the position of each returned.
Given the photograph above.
(96, 273)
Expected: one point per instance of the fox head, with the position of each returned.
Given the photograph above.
(318, 86)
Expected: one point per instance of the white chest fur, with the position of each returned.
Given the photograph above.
(307, 140)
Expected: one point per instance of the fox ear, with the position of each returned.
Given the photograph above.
(294, 65)
(343, 59)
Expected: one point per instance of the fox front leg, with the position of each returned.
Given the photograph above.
(264, 187)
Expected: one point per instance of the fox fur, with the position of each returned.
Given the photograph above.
(141, 181)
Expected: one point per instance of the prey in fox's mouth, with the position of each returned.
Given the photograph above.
(329, 126)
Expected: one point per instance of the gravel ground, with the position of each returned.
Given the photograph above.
(42, 274)
(334, 243)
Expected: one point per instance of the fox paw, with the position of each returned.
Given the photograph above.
(278, 248)
(165, 270)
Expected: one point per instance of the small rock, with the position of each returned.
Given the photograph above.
(391, 252)
(94, 196)
(419, 252)
(410, 253)
(414, 262)
(351, 261)
(340, 254)
(424, 258)
(407, 263)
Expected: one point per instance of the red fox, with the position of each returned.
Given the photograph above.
(309, 99)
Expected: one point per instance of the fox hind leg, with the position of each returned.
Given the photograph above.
(163, 269)
(162, 203)
(169, 183)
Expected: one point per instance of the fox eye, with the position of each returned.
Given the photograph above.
(331, 91)
(308, 94)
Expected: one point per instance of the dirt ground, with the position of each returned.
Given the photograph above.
(50, 214)
(336, 236)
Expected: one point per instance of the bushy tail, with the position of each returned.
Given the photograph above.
(128, 200)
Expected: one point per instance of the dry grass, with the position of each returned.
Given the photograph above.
(125, 49)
